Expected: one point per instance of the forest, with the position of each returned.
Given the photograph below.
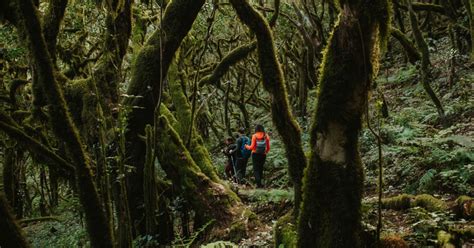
(237, 123)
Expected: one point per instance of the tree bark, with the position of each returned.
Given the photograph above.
(425, 59)
(30, 30)
(12, 235)
(273, 82)
(145, 87)
(330, 214)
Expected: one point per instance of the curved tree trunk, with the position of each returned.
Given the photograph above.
(273, 82)
(29, 28)
(410, 49)
(330, 214)
(198, 151)
(215, 206)
(425, 59)
(150, 68)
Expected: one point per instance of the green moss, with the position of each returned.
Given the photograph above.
(331, 210)
(444, 239)
(399, 202)
(412, 52)
(198, 151)
(393, 242)
(462, 199)
(98, 227)
(285, 232)
(237, 231)
(150, 65)
(429, 203)
(464, 207)
(208, 199)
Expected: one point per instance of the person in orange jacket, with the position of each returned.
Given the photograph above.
(260, 147)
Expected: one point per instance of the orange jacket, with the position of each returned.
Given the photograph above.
(258, 135)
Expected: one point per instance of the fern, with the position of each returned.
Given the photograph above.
(427, 180)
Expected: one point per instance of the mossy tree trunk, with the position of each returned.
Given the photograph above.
(182, 114)
(273, 82)
(330, 213)
(148, 72)
(107, 73)
(51, 24)
(12, 235)
(425, 59)
(410, 49)
(212, 202)
(29, 28)
(469, 6)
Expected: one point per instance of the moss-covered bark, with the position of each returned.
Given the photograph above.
(11, 234)
(211, 202)
(149, 184)
(35, 147)
(30, 30)
(330, 214)
(469, 5)
(182, 107)
(230, 59)
(51, 24)
(425, 59)
(285, 232)
(273, 82)
(8, 175)
(149, 68)
(412, 52)
(107, 73)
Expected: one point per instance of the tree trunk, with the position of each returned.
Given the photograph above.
(148, 71)
(273, 82)
(30, 30)
(182, 114)
(226, 110)
(12, 235)
(425, 60)
(213, 203)
(330, 214)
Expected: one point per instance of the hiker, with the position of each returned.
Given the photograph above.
(260, 147)
(242, 155)
(229, 151)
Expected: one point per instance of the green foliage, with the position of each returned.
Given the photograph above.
(68, 232)
(403, 75)
(220, 244)
(265, 196)
(285, 232)
(427, 180)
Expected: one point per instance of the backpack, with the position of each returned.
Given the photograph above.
(245, 153)
(261, 145)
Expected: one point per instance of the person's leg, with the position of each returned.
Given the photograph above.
(262, 163)
(255, 165)
(228, 170)
(257, 168)
(244, 167)
(238, 168)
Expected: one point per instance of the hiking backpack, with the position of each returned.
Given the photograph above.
(245, 153)
(261, 145)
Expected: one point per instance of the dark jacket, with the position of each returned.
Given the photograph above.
(230, 152)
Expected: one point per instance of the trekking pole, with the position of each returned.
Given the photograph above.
(235, 170)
